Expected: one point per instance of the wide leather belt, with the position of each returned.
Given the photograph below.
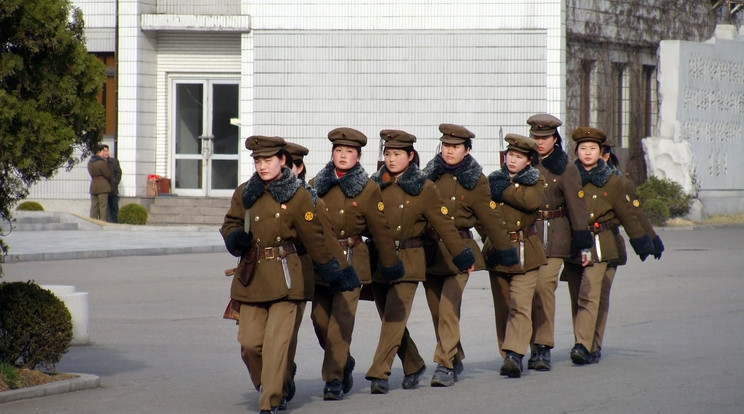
(409, 243)
(522, 234)
(350, 241)
(277, 252)
(549, 214)
(600, 227)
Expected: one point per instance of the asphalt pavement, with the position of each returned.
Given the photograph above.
(159, 343)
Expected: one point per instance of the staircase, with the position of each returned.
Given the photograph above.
(195, 211)
(42, 221)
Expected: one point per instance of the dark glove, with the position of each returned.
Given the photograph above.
(506, 257)
(643, 257)
(658, 247)
(464, 260)
(330, 272)
(243, 240)
(349, 281)
(393, 272)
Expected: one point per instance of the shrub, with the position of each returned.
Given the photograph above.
(656, 211)
(30, 206)
(9, 375)
(669, 193)
(35, 326)
(133, 214)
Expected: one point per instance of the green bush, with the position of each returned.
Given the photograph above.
(30, 206)
(35, 326)
(656, 211)
(669, 193)
(133, 214)
(9, 374)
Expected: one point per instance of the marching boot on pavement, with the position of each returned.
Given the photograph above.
(561, 223)
(467, 203)
(413, 202)
(609, 205)
(354, 206)
(517, 188)
(267, 215)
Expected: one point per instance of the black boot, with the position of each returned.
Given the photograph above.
(542, 359)
(412, 380)
(348, 380)
(512, 367)
(332, 391)
(443, 377)
(580, 356)
(379, 386)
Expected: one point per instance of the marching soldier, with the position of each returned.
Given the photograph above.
(561, 223)
(467, 202)
(517, 188)
(267, 214)
(354, 205)
(413, 202)
(609, 205)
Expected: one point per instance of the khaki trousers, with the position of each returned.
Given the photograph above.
(293, 343)
(604, 301)
(512, 303)
(99, 206)
(264, 333)
(444, 296)
(585, 287)
(333, 315)
(543, 304)
(394, 303)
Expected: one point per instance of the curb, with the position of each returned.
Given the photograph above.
(99, 254)
(83, 382)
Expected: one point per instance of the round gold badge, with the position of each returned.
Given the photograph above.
(444, 210)
(636, 203)
(581, 193)
(309, 216)
(380, 206)
(492, 204)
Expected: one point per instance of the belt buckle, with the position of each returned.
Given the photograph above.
(269, 253)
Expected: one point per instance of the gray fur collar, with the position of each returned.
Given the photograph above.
(411, 181)
(597, 175)
(468, 172)
(556, 162)
(351, 184)
(281, 189)
(500, 179)
(313, 192)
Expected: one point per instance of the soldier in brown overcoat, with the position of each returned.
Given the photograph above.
(517, 188)
(413, 202)
(273, 210)
(561, 223)
(467, 202)
(100, 184)
(354, 205)
(609, 205)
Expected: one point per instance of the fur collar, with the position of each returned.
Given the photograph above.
(313, 192)
(411, 181)
(556, 162)
(500, 179)
(352, 183)
(468, 172)
(597, 175)
(281, 189)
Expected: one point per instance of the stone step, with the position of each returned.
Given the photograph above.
(41, 221)
(188, 211)
(26, 226)
(179, 201)
(178, 210)
(177, 219)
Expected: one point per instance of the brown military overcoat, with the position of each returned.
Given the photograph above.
(100, 176)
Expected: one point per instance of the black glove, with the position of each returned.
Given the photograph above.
(658, 247)
(506, 257)
(243, 240)
(349, 281)
(393, 272)
(643, 257)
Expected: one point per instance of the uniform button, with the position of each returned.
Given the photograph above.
(591, 215)
(278, 238)
(343, 233)
(594, 196)
(341, 211)
(255, 218)
(276, 215)
(519, 223)
(452, 218)
(397, 228)
(454, 178)
(547, 206)
(400, 206)
(452, 198)
(546, 185)
(516, 185)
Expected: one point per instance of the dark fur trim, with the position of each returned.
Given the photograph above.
(556, 162)
(464, 259)
(642, 246)
(281, 190)
(506, 257)
(393, 272)
(411, 181)
(581, 239)
(253, 189)
(313, 192)
(597, 175)
(351, 184)
(468, 172)
(330, 272)
(499, 180)
(348, 282)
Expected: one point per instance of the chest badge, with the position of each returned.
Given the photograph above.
(380, 206)
(636, 203)
(284, 206)
(492, 204)
(309, 216)
(581, 193)
(355, 204)
(444, 210)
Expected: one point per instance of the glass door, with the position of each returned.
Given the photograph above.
(205, 151)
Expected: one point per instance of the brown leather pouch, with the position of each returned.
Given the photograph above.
(247, 266)
(232, 311)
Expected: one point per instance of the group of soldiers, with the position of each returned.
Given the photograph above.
(346, 235)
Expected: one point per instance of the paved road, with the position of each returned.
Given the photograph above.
(159, 345)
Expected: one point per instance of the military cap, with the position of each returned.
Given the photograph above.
(542, 125)
(454, 134)
(297, 151)
(520, 143)
(588, 134)
(263, 146)
(347, 136)
(397, 139)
